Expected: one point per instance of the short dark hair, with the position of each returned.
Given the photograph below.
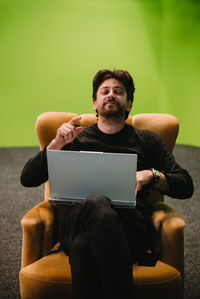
(120, 75)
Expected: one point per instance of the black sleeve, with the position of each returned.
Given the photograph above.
(180, 182)
(35, 171)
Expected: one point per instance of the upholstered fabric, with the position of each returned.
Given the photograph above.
(50, 276)
(45, 275)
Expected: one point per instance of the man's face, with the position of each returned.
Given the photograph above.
(111, 99)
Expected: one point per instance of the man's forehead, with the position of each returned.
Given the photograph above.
(112, 83)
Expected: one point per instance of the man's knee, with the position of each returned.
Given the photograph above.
(97, 211)
(97, 201)
(97, 206)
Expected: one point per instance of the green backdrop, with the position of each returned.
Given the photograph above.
(50, 51)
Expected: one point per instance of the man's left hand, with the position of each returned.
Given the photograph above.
(143, 177)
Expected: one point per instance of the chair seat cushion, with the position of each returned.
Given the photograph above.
(50, 277)
(159, 274)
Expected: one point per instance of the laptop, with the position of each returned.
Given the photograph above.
(73, 176)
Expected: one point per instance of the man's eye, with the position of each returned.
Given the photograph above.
(119, 91)
(105, 91)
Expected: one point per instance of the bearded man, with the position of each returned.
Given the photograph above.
(102, 241)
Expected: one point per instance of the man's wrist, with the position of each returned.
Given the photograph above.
(156, 176)
(52, 145)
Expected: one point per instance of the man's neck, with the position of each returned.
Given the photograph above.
(110, 126)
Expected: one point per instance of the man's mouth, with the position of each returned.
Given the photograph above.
(112, 102)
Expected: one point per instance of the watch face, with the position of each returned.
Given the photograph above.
(156, 177)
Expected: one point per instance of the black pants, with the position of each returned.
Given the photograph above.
(102, 244)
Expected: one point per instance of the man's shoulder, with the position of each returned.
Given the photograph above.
(146, 135)
(140, 132)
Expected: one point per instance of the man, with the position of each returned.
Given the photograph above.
(102, 241)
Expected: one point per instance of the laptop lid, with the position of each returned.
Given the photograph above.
(73, 176)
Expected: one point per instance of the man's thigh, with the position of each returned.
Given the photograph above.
(70, 227)
(136, 229)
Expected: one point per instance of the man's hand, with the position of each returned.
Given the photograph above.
(143, 177)
(65, 134)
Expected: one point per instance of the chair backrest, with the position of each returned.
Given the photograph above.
(164, 125)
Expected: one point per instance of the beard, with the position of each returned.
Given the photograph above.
(116, 114)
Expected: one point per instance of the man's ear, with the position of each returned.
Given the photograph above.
(129, 106)
(94, 105)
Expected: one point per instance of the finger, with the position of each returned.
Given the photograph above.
(74, 120)
(64, 131)
(79, 129)
(138, 186)
(138, 181)
(72, 134)
(70, 128)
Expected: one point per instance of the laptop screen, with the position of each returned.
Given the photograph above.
(74, 176)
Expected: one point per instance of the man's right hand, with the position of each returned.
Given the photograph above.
(65, 134)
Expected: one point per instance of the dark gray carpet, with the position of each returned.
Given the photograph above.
(15, 201)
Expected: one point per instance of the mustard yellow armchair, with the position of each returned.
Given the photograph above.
(45, 271)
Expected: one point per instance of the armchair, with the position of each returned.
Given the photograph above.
(45, 271)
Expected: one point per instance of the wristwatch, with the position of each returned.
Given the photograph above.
(156, 176)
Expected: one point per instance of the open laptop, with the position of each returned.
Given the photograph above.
(73, 176)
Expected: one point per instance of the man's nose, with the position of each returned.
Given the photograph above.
(111, 93)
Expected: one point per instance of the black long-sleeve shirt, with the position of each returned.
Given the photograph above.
(151, 151)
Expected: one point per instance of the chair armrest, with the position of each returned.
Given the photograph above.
(37, 233)
(169, 237)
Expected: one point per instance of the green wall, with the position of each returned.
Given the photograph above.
(50, 51)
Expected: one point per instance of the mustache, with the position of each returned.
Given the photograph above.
(113, 101)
